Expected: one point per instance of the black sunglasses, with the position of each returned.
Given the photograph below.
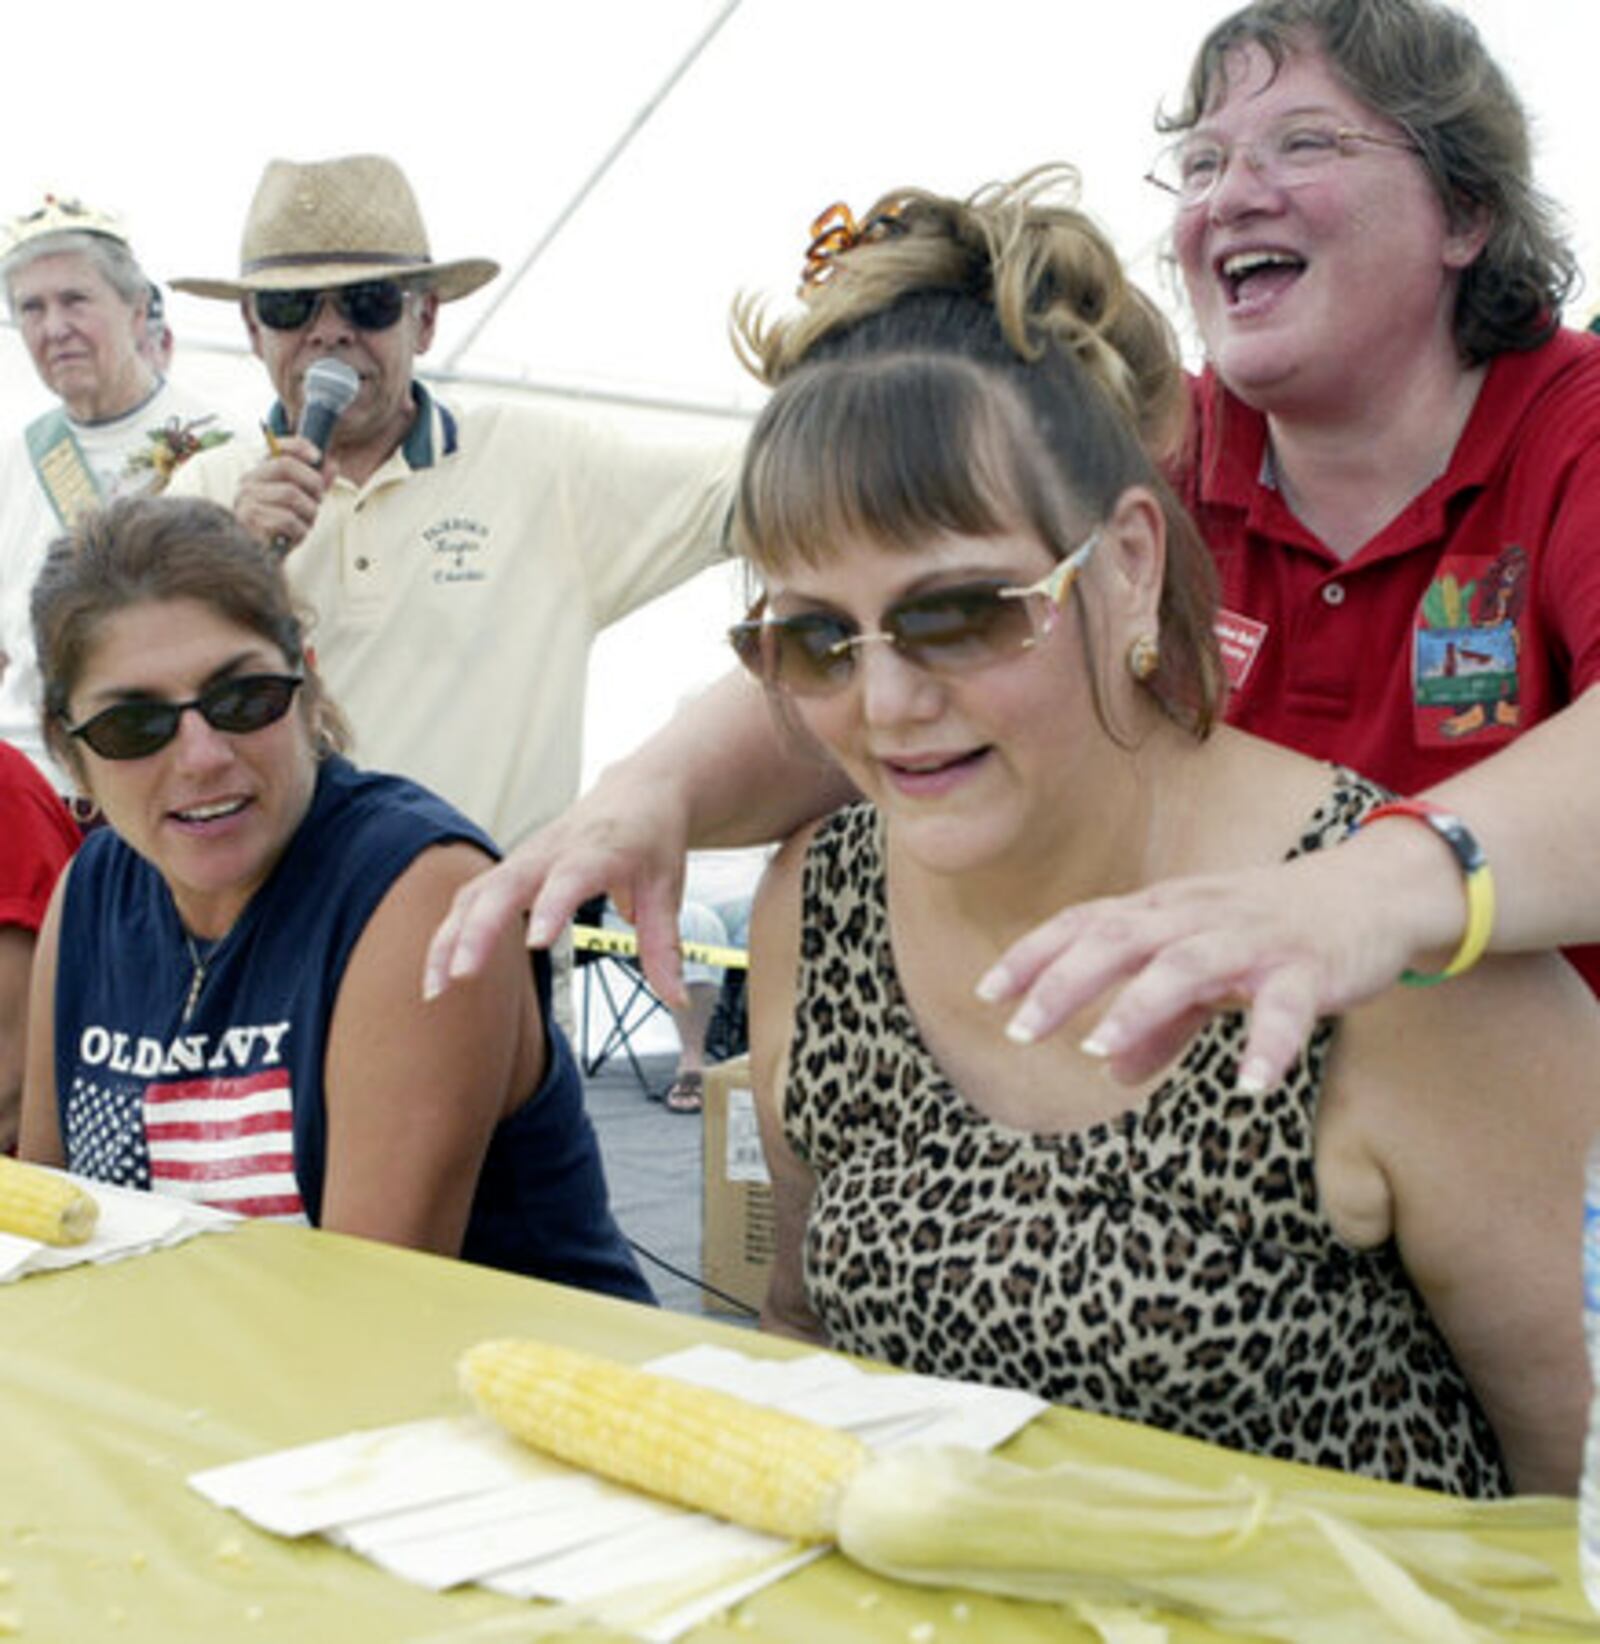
(369, 305)
(135, 730)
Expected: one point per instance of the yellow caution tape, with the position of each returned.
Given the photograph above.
(593, 939)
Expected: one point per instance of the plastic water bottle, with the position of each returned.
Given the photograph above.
(1589, 1493)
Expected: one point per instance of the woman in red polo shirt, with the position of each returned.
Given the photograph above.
(1395, 463)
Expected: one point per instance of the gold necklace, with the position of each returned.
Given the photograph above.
(198, 979)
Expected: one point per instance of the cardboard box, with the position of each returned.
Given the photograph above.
(736, 1229)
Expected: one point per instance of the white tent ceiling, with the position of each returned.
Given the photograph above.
(502, 111)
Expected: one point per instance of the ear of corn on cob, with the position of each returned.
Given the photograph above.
(1301, 1565)
(38, 1204)
(700, 1448)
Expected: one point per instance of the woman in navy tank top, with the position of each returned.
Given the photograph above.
(230, 1009)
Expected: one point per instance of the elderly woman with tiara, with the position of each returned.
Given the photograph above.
(981, 602)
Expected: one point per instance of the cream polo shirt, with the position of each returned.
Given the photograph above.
(458, 591)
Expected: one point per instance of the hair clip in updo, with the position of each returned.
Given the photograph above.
(835, 231)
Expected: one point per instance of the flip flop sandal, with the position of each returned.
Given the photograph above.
(686, 1094)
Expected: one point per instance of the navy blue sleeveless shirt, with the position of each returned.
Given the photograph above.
(216, 1093)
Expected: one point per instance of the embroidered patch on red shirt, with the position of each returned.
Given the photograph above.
(1465, 650)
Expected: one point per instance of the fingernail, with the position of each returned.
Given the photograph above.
(1252, 1079)
(1022, 1029)
(992, 985)
(1103, 1042)
(431, 988)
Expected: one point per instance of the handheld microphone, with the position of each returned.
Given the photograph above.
(330, 387)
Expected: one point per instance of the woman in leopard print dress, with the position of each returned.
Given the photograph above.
(982, 602)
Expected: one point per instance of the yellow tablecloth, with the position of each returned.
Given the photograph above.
(117, 1382)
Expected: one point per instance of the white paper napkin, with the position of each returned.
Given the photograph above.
(131, 1222)
(457, 1500)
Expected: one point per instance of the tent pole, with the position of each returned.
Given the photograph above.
(592, 181)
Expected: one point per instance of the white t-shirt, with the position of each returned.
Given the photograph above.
(29, 524)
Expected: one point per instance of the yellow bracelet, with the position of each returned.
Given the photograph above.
(1477, 881)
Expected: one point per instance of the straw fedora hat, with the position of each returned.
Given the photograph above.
(334, 222)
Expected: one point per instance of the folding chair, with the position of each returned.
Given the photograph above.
(606, 959)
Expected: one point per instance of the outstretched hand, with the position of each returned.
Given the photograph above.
(635, 856)
(1288, 943)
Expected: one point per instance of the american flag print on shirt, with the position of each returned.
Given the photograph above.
(103, 1131)
(226, 1142)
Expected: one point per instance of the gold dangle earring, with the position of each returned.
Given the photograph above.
(1144, 657)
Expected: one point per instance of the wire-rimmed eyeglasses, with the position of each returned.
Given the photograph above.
(1287, 156)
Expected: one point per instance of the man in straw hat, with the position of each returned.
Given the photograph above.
(459, 562)
(82, 305)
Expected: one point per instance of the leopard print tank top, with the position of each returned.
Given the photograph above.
(1171, 1265)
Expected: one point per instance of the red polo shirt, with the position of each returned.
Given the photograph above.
(1472, 615)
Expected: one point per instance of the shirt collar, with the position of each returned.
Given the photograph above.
(434, 431)
(1231, 455)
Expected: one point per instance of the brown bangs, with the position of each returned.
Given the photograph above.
(890, 451)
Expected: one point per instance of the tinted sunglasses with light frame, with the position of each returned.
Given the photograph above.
(369, 305)
(135, 730)
(958, 630)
